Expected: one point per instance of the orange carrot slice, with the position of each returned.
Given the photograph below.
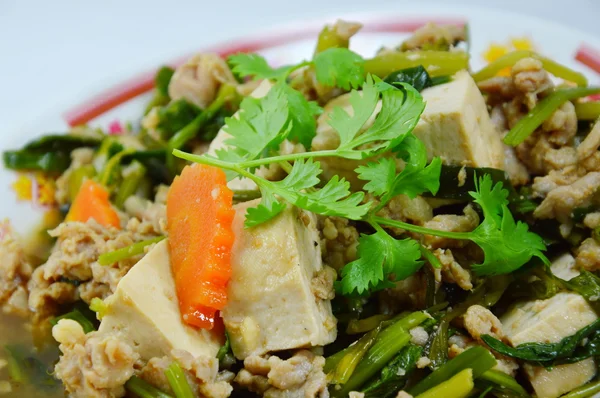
(199, 216)
(92, 202)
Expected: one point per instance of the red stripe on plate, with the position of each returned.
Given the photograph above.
(588, 56)
(126, 91)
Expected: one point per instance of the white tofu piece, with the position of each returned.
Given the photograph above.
(455, 126)
(549, 321)
(145, 310)
(219, 141)
(271, 305)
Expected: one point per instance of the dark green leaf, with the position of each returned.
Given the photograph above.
(416, 77)
(568, 350)
(162, 80)
(62, 142)
(78, 317)
(27, 160)
(175, 116)
(393, 377)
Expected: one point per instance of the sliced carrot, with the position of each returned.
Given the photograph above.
(199, 216)
(92, 202)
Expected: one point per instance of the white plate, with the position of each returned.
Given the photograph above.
(291, 43)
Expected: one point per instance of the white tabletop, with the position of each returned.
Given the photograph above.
(54, 52)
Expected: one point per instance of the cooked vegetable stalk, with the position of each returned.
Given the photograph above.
(92, 202)
(178, 382)
(388, 343)
(15, 372)
(143, 389)
(25, 160)
(161, 88)
(199, 217)
(127, 252)
(352, 356)
(245, 195)
(542, 111)
(393, 377)
(437, 63)
(477, 358)
(356, 326)
(589, 110)
(330, 38)
(99, 307)
(510, 59)
(175, 116)
(504, 382)
(110, 168)
(181, 137)
(459, 386)
(132, 177)
(78, 317)
(77, 177)
(587, 391)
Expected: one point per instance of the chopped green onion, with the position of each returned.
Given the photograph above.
(511, 58)
(353, 355)
(387, 344)
(586, 391)
(127, 252)
(78, 317)
(356, 326)
(504, 381)
(477, 358)
(143, 389)
(131, 181)
(589, 110)
(437, 63)
(15, 372)
(543, 110)
(178, 382)
(459, 386)
(189, 131)
(99, 307)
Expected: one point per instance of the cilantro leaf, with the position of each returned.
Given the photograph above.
(302, 117)
(268, 208)
(334, 199)
(507, 244)
(244, 64)
(400, 113)
(416, 178)
(381, 261)
(339, 67)
(349, 125)
(262, 123)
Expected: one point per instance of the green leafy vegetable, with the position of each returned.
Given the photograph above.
(225, 355)
(339, 67)
(416, 77)
(502, 382)
(143, 389)
(302, 115)
(352, 357)
(381, 261)
(24, 367)
(178, 382)
(507, 244)
(569, 350)
(542, 111)
(244, 64)
(175, 116)
(477, 358)
(127, 252)
(47, 162)
(394, 375)
(458, 386)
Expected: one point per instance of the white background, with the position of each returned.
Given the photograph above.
(54, 52)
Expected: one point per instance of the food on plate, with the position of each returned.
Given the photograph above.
(394, 226)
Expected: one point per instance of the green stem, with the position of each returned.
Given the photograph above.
(477, 358)
(356, 326)
(504, 381)
(130, 183)
(437, 63)
(143, 389)
(420, 230)
(542, 111)
(459, 386)
(388, 343)
(112, 163)
(585, 391)
(127, 252)
(245, 195)
(15, 372)
(352, 357)
(429, 257)
(78, 317)
(178, 381)
(511, 58)
(589, 110)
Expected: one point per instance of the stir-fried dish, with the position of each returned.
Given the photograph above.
(394, 226)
